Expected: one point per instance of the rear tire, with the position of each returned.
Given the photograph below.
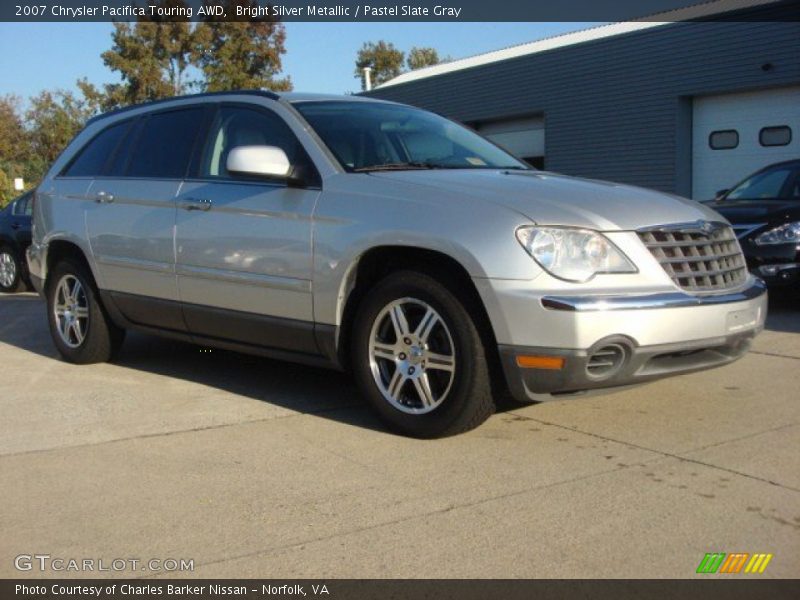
(11, 280)
(418, 357)
(81, 330)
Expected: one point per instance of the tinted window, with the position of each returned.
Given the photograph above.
(775, 136)
(240, 126)
(23, 206)
(164, 144)
(116, 166)
(91, 160)
(723, 140)
(767, 184)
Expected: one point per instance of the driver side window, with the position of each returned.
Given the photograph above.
(237, 126)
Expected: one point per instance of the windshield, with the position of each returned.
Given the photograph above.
(783, 182)
(372, 136)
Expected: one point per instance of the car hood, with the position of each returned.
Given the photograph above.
(551, 199)
(757, 211)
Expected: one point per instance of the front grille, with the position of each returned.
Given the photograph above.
(698, 259)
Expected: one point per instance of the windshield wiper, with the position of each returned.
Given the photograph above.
(396, 166)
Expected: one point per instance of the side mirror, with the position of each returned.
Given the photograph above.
(259, 161)
(721, 193)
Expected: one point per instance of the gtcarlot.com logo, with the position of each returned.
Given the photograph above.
(46, 562)
(731, 564)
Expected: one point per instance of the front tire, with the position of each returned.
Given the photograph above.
(11, 280)
(79, 326)
(419, 359)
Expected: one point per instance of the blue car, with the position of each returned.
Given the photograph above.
(15, 237)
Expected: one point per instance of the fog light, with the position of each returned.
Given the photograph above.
(552, 363)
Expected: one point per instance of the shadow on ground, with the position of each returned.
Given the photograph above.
(784, 311)
(308, 390)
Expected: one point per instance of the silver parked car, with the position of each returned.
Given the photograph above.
(382, 239)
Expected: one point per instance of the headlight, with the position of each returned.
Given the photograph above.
(785, 234)
(573, 254)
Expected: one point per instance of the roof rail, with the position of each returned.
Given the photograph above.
(116, 111)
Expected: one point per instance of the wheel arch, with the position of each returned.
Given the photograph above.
(60, 248)
(380, 261)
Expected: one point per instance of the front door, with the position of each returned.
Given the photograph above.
(243, 246)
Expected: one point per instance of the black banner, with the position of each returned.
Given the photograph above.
(389, 10)
(392, 589)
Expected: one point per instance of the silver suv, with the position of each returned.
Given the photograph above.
(383, 239)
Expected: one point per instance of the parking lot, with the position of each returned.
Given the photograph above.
(256, 468)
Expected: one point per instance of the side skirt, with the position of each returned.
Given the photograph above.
(272, 337)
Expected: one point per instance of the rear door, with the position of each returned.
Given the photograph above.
(243, 244)
(131, 223)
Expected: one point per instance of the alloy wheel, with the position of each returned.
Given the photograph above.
(71, 311)
(412, 356)
(8, 270)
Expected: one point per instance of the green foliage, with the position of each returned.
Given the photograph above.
(154, 58)
(53, 120)
(419, 58)
(14, 148)
(240, 55)
(385, 60)
(151, 56)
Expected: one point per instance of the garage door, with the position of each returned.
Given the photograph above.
(736, 134)
(522, 137)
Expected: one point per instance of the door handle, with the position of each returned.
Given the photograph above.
(104, 198)
(202, 204)
(15, 226)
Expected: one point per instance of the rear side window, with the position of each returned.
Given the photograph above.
(164, 144)
(23, 207)
(92, 159)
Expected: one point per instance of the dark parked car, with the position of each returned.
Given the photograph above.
(765, 212)
(15, 237)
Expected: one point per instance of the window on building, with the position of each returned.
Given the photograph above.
(775, 136)
(164, 145)
(723, 140)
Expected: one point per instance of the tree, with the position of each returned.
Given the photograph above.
(241, 55)
(53, 119)
(385, 60)
(14, 149)
(419, 58)
(151, 55)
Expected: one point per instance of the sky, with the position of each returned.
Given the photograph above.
(319, 56)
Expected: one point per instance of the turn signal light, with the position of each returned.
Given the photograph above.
(553, 363)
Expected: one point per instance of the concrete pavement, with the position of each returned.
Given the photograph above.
(256, 468)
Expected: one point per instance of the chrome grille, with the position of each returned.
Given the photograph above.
(702, 257)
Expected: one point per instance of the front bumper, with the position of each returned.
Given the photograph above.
(630, 339)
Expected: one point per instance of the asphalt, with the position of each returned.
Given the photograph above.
(256, 468)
